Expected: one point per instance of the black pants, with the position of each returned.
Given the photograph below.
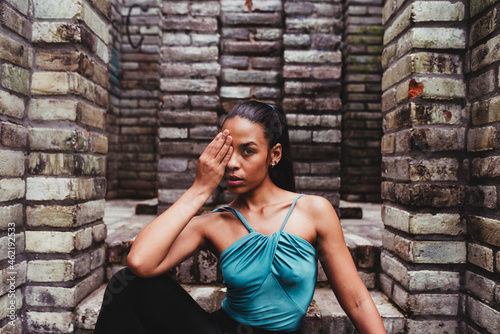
(135, 305)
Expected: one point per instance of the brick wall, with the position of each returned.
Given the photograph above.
(189, 92)
(15, 51)
(482, 170)
(311, 75)
(53, 116)
(440, 164)
(423, 186)
(138, 58)
(362, 119)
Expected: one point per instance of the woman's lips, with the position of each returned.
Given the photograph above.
(233, 181)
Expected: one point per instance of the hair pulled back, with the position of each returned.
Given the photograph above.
(275, 127)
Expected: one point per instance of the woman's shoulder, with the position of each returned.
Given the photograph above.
(315, 202)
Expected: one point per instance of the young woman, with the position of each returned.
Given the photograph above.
(267, 240)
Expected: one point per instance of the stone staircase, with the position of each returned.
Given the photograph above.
(200, 276)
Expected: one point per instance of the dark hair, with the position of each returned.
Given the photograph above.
(275, 127)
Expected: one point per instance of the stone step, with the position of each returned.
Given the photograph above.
(323, 316)
(363, 238)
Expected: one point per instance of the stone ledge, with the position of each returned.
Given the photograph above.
(324, 315)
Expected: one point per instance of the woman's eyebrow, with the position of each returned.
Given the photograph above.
(250, 143)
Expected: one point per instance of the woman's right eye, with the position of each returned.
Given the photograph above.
(248, 151)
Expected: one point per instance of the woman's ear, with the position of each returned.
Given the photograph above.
(275, 153)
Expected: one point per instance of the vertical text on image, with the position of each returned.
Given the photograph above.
(11, 279)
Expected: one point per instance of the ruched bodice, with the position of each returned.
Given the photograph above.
(270, 279)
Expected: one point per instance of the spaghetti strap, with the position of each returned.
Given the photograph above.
(290, 212)
(238, 215)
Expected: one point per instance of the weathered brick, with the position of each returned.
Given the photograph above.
(435, 114)
(100, 144)
(299, 88)
(436, 139)
(481, 139)
(178, 8)
(47, 188)
(176, 39)
(253, 77)
(15, 78)
(485, 112)
(421, 62)
(49, 321)
(435, 195)
(444, 169)
(484, 229)
(205, 24)
(480, 286)
(59, 109)
(99, 232)
(396, 168)
(62, 296)
(240, 62)
(11, 163)
(11, 105)
(488, 167)
(58, 139)
(11, 189)
(188, 117)
(315, 57)
(89, 115)
(172, 133)
(260, 19)
(421, 11)
(235, 92)
(244, 47)
(483, 315)
(190, 85)
(482, 84)
(325, 25)
(483, 27)
(477, 6)
(191, 53)
(484, 54)
(11, 214)
(13, 135)
(388, 144)
(419, 280)
(297, 40)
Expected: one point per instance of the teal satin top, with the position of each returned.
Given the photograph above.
(270, 279)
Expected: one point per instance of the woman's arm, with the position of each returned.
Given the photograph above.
(342, 273)
(169, 238)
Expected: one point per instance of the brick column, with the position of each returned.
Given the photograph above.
(15, 66)
(251, 55)
(423, 146)
(65, 176)
(362, 119)
(189, 92)
(482, 168)
(138, 98)
(312, 72)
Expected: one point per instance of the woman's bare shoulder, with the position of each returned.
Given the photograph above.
(315, 204)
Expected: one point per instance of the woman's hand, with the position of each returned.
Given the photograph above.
(212, 163)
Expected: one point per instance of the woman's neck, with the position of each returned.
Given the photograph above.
(264, 195)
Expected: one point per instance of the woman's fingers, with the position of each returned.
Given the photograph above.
(224, 150)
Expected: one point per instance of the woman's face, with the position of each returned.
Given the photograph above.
(248, 166)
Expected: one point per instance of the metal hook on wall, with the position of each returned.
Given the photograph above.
(144, 9)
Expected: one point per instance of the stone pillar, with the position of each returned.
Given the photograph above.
(482, 168)
(112, 119)
(312, 73)
(251, 53)
(65, 176)
(362, 119)
(423, 186)
(15, 64)
(138, 98)
(189, 92)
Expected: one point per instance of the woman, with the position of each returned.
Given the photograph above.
(267, 241)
